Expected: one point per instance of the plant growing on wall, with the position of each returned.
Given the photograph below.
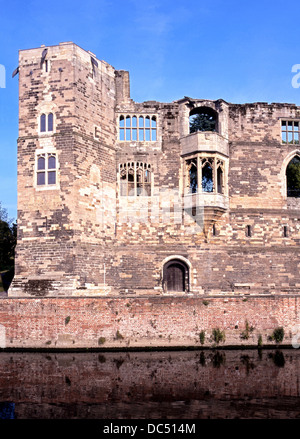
(218, 335)
(278, 334)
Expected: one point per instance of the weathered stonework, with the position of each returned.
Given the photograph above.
(82, 237)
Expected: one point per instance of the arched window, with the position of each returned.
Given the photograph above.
(175, 276)
(46, 122)
(220, 177)
(135, 179)
(43, 123)
(193, 175)
(293, 177)
(207, 175)
(50, 122)
(203, 119)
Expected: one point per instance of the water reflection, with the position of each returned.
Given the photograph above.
(152, 385)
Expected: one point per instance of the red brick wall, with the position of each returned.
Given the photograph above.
(144, 321)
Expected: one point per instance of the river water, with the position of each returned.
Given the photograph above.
(204, 384)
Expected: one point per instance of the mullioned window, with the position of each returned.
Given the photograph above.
(46, 123)
(290, 132)
(205, 174)
(134, 128)
(46, 170)
(135, 179)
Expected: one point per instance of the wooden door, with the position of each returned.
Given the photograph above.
(175, 277)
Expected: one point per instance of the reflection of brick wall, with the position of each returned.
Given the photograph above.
(153, 321)
(191, 384)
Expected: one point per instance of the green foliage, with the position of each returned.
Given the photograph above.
(218, 335)
(205, 302)
(67, 319)
(259, 341)
(278, 334)
(119, 336)
(245, 334)
(202, 122)
(202, 337)
(8, 240)
(101, 340)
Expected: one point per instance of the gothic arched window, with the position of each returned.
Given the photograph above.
(135, 179)
(293, 177)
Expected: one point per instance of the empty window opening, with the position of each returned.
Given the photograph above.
(135, 179)
(285, 231)
(193, 175)
(248, 231)
(207, 175)
(175, 276)
(203, 119)
(220, 181)
(137, 128)
(209, 171)
(46, 169)
(290, 132)
(214, 230)
(293, 177)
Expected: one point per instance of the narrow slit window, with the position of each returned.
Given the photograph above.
(285, 231)
(50, 122)
(207, 177)
(128, 128)
(220, 180)
(153, 129)
(43, 123)
(193, 177)
(248, 231)
(121, 128)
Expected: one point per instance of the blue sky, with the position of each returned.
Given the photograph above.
(235, 50)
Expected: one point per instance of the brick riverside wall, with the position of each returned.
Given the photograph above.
(144, 321)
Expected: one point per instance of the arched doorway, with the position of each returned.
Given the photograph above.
(175, 276)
